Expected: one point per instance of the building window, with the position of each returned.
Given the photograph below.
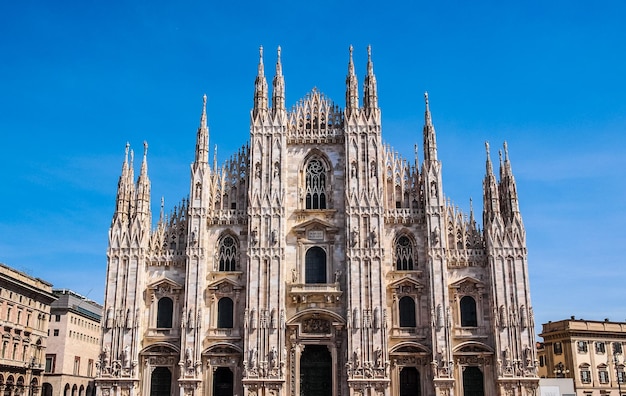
(228, 254)
(603, 375)
(57, 318)
(582, 346)
(621, 378)
(315, 185)
(542, 361)
(468, 312)
(617, 347)
(404, 254)
(50, 363)
(406, 308)
(600, 347)
(164, 313)
(557, 347)
(225, 313)
(585, 375)
(90, 368)
(76, 365)
(55, 332)
(315, 265)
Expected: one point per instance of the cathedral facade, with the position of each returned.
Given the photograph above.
(317, 261)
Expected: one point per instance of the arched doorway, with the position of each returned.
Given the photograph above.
(46, 389)
(223, 382)
(409, 382)
(161, 382)
(316, 371)
(473, 382)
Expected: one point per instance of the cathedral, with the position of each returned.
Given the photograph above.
(316, 261)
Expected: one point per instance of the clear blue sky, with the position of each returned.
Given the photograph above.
(78, 79)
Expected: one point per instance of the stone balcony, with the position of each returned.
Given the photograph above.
(310, 295)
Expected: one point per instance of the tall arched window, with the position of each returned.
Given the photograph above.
(225, 313)
(315, 265)
(164, 313)
(228, 254)
(315, 185)
(406, 308)
(404, 254)
(468, 312)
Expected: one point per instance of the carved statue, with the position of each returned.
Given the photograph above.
(354, 237)
(272, 357)
(294, 275)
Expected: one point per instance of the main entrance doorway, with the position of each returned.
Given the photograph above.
(473, 382)
(316, 370)
(161, 382)
(409, 382)
(223, 382)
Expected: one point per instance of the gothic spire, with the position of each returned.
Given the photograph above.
(508, 187)
(143, 184)
(491, 201)
(430, 140)
(278, 87)
(202, 138)
(352, 90)
(260, 89)
(370, 94)
(124, 188)
(215, 159)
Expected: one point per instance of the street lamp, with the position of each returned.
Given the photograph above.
(616, 361)
(560, 370)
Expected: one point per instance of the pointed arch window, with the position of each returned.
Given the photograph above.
(468, 312)
(315, 265)
(165, 309)
(406, 308)
(225, 313)
(228, 254)
(404, 254)
(315, 185)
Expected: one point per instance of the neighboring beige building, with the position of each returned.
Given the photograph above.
(73, 345)
(24, 311)
(590, 352)
(318, 262)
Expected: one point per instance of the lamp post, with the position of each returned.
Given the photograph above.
(616, 362)
(560, 370)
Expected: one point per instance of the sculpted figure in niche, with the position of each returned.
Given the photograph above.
(353, 237)
(294, 275)
(253, 236)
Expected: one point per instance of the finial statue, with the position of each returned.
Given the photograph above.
(487, 147)
(145, 147)
(261, 52)
(204, 99)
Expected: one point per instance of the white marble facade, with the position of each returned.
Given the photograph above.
(317, 261)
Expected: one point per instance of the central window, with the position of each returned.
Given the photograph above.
(228, 254)
(315, 265)
(404, 254)
(315, 185)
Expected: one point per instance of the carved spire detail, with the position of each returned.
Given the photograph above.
(370, 90)
(352, 90)
(430, 140)
(278, 87)
(260, 88)
(202, 138)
